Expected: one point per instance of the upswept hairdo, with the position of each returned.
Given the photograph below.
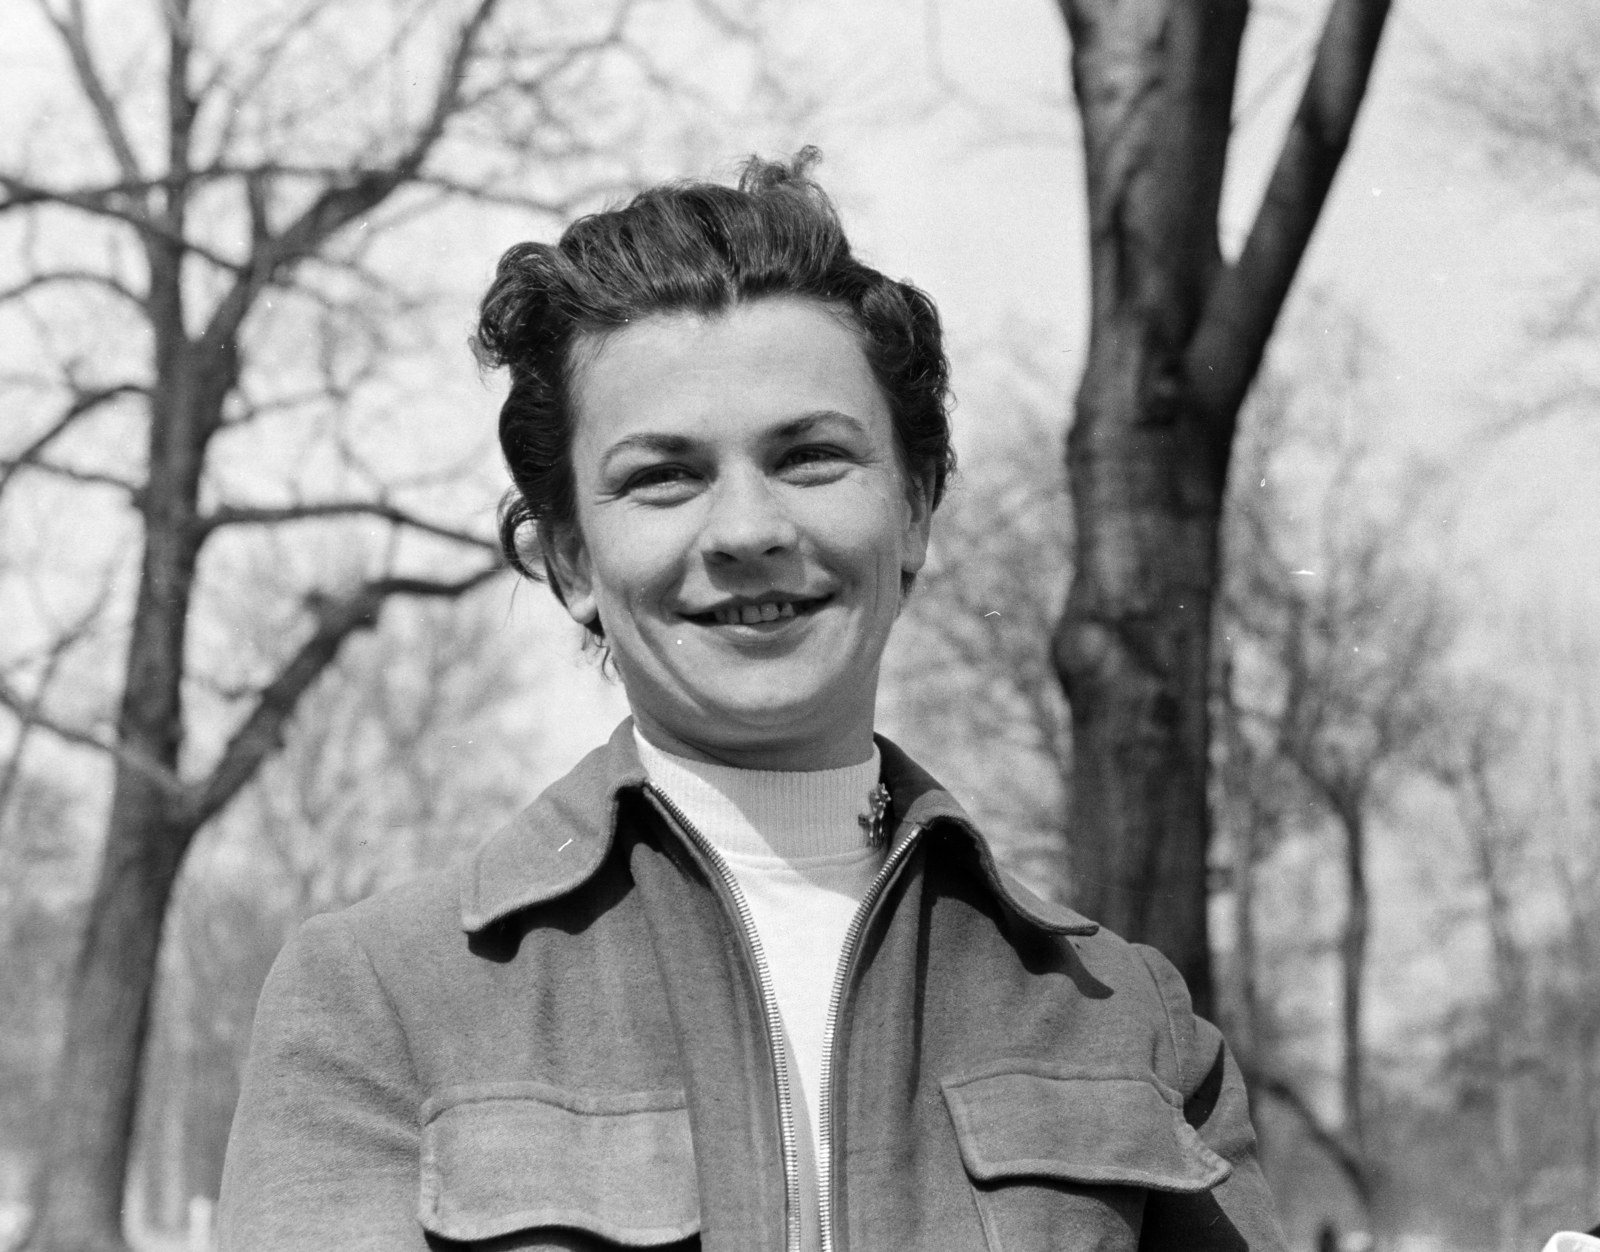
(700, 248)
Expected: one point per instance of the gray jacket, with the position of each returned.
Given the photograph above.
(564, 1044)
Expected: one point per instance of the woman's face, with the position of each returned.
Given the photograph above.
(743, 522)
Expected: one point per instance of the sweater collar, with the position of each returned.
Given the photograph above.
(559, 842)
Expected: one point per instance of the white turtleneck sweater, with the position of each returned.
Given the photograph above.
(800, 858)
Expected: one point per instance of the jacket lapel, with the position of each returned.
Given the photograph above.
(559, 841)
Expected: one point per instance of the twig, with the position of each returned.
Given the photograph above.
(262, 731)
(155, 772)
(84, 403)
(243, 515)
(1340, 1153)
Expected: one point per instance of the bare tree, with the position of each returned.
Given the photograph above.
(1176, 335)
(230, 199)
(1332, 652)
(1464, 762)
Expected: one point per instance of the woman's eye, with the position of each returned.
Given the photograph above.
(814, 462)
(661, 483)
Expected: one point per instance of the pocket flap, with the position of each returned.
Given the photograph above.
(1106, 1130)
(511, 1156)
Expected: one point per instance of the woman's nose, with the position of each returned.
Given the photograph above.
(747, 521)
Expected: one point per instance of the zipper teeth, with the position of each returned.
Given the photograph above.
(769, 1009)
(841, 977)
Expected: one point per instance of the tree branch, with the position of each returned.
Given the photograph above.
(83, 404)
(1243, 305)
(1332, 1145)
(74, 34)
(242, 515)
(63, 643)
(26, 711)
(90, 277)
(92, 477)
(357, 193)
(103, 202)
(337, 619)
(261, 68)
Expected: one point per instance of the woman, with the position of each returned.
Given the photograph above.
(747, 978)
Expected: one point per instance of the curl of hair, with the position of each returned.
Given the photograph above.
(700, 248)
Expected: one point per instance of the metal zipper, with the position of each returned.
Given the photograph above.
(841, 980)
(769, 1008)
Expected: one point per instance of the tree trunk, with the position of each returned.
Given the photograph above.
(1154, 83)
(1353, 976)
(1589, 1085)
(1247, 1038)
(107, 1021)
(1176, 335)
(108, 1009)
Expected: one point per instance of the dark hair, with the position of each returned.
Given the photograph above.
(702, 248)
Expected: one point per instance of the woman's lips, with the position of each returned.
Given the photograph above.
(758, 612)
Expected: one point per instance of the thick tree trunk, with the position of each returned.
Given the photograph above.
(1176, 336)
(1154, 82)
(149, 828)
(1133, 652)
(108, 1019)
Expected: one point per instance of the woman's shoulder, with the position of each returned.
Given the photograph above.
(412, 926)
(1151, 999)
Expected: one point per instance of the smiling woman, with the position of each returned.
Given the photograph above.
(747, 978)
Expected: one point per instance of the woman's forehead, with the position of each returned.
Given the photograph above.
(779, 362)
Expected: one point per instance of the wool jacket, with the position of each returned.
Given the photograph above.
(564, 1044)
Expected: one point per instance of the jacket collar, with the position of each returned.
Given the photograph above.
(559, 841)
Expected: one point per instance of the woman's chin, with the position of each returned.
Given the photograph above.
(784, 728)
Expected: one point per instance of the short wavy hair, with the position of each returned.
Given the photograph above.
(702, 248)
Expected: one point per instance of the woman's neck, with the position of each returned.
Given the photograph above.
(838, 749)
(790, 814)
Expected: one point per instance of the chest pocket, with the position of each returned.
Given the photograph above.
(1067, 1161)
(528, 1166)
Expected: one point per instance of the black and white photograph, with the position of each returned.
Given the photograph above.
(800, 625)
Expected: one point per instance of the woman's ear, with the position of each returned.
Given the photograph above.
(919, 521)
(566, 560)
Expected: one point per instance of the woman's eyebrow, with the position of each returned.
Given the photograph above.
(807, 422)
(664, 445)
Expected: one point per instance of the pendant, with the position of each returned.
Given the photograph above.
(875, 820)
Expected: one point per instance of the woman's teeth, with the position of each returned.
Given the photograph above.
(747, 614)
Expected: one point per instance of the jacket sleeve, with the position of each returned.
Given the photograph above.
(1237, 1214)
(323, 1152)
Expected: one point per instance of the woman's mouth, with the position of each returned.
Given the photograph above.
(756, 612)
